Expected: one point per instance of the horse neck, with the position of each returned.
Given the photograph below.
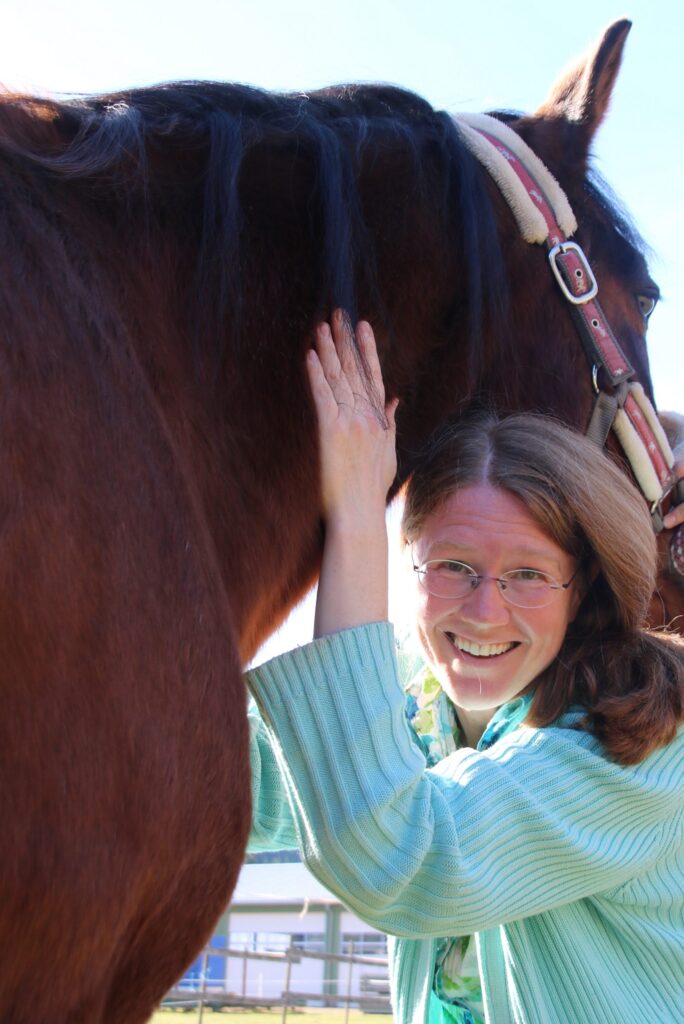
(242, 435)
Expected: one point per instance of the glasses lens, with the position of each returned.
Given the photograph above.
(527, 588)
(446, 578)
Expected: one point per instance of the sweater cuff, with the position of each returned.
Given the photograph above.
(335, 686)
(352, 659)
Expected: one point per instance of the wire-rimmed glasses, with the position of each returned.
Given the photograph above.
(524, 587)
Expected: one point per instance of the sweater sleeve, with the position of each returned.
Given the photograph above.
(540, 819)
(273, 826)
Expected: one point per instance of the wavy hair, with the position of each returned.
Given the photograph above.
(628, 679)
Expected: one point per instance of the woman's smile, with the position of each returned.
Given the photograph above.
(480, 649)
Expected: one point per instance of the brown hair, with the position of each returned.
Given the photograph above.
(629, 680)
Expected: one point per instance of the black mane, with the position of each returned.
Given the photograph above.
(181, 155)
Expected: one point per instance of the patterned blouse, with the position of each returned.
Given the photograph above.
(432, 717)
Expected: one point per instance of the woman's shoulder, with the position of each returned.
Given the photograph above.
(566, 749)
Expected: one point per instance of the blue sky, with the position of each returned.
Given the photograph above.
(459, 55)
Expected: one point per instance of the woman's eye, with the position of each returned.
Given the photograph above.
(647, 303)
(528, 575)
(454, 568)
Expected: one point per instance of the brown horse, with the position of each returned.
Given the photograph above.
(165, 255)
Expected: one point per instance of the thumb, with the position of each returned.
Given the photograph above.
(390, 413)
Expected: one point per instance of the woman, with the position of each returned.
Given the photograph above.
(537, 803)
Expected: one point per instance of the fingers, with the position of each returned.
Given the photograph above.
(343, 339)
(330, 349)
(390, 413)
(338, 364)
(369, 351)
(348, 354)
(325, 400)
(675, 517)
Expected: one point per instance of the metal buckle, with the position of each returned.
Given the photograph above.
(561, 249)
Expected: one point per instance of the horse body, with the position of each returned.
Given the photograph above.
(159, 287)
(101, 534)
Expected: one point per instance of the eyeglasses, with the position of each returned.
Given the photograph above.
(524, 588)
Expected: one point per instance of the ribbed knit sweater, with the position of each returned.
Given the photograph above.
(568, 867)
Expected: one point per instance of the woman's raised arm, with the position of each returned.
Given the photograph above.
(358, 463)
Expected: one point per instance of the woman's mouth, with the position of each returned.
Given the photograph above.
(480, 650)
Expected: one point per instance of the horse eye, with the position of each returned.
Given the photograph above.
(647, 303)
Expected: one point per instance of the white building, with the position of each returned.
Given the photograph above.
(276, 906)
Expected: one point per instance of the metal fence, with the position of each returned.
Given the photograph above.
(373, 996)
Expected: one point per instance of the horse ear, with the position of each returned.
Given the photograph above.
(582, 94)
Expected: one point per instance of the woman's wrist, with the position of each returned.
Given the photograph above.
(357, 525)
(352, 589)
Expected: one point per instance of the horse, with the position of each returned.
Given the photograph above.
(166, 253)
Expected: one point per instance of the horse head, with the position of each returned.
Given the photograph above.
(533, 356)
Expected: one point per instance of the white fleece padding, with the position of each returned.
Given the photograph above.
(649, 414)
(633, 447)
(530, 220)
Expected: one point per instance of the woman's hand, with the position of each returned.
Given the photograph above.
(676, 514)
(358, 463)
(673, 425)
(357, 442)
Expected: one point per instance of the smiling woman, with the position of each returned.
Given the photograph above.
(514, 817)
(524, 493)
(490, 639)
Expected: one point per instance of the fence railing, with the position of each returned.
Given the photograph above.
(373, 996)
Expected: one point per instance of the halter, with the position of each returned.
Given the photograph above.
(545, 217)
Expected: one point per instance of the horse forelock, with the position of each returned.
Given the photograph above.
(615, 219)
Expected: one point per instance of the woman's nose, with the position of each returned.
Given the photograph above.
(485, 603)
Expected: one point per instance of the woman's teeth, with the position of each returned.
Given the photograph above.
(480, 650)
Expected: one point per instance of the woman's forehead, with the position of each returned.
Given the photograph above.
(481, 516)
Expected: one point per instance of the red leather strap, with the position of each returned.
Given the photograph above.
(574, 269)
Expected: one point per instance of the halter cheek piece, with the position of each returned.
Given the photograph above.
(545, 217)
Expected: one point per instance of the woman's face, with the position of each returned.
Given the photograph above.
(483, 650)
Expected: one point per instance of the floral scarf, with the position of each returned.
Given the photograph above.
(432, 717)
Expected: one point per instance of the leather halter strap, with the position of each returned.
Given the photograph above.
(625, 408)
(574, 276)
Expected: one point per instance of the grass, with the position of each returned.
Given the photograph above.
(301, 1015)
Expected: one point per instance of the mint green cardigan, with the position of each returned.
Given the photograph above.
(567, 867)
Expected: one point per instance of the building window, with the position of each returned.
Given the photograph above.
(311, 942)
(365, 943)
